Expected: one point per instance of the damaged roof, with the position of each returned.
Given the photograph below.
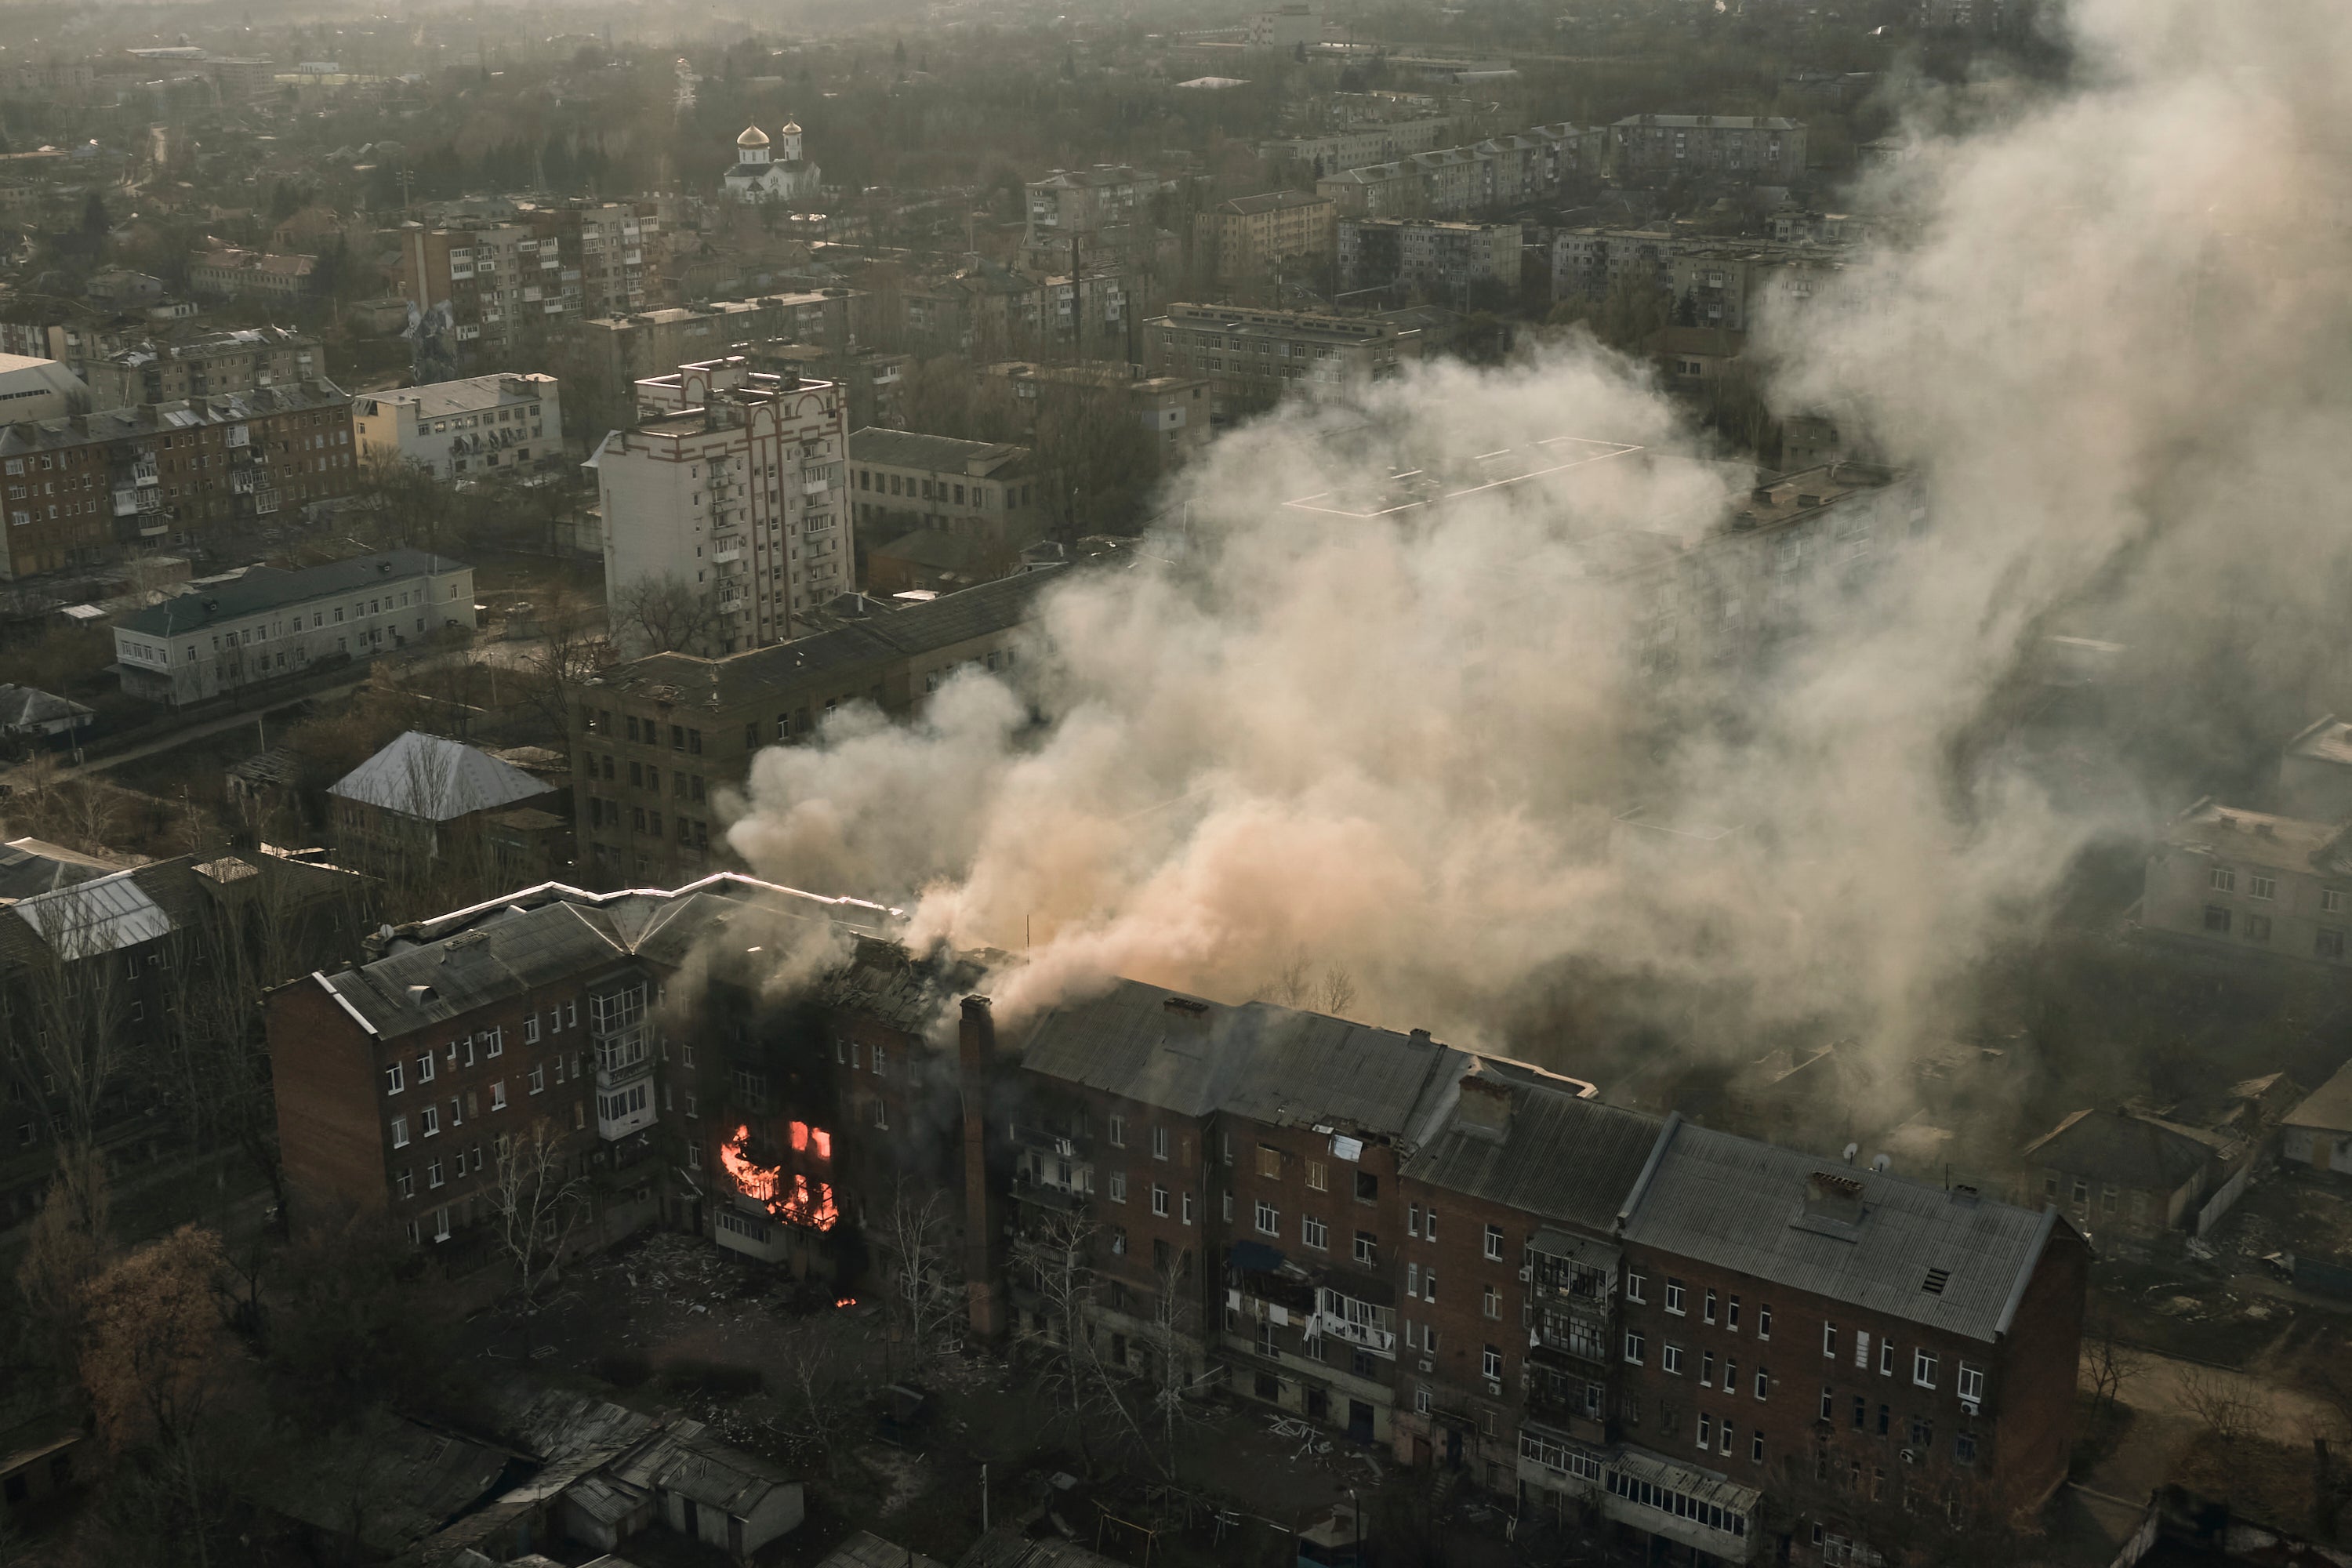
(1952, 1260)
(471, 958)
(1560, 1154)
(684, 1460)
(1275, 1064)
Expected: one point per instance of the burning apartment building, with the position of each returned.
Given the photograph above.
(1468, 1260)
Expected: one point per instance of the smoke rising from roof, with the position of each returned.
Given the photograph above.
(2108, 362)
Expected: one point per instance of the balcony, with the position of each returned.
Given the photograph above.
(616, 1029)
(624, 1110)
(126, 503)
(239, 436)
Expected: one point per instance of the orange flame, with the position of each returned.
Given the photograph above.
(796, 1205)
(823, 1144)
(846, 1302)
(799, 1131)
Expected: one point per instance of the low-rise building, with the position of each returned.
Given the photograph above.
(1380, 142)
(983, 492)
(2125, 1174)
(235, 273)
(1750, 149)
(2315, 773)
(94, 489)
(206, 366)
(1252, 358)
(483, 426)
(655, 740)
(1429, 257)
(2246, 881)
(2317, 1134)
(1251, 240)
(426, 797)
(1172, 409)
(226, 634)
(38, 389)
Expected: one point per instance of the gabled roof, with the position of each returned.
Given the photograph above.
(2131, 1150)
(685, 1459)
(1952, 1260)
(104, 914)
(22, 705)
(30, 866)
(2328, 1108)
(435, 779)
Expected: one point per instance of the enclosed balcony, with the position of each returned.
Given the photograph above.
(617, 1030)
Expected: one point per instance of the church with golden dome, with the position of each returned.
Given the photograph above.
(777, 171)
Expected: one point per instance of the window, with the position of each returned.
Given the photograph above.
(1412, 1220)
(531, 1030)
(425, 1067)
(1706, 1430)
(1367, 1191)
(1494, 1243)
(1118, 1187)
(1158, 1200)
(428, 1121)
(394, 1078)
(1923, 1369)
(877, 1061)
(2326, 943)
(1731, 1315)
(1269, 1161)
(1828, 1340)
(400, 1132)
(2221, 879)
(2331, 900)
(1491, 1364)
(1368, 1252)
(1188, 1209)
(1669, 1359)
(1861, 1348)
(1634, 1346)
(2216, 919)
(1429, 1224)
(1674, 1297)
(1923, 1432)
(1314, 1233)
(1829, 1404)
(881, 1116)
(1269, 1219)
(1319, 1177)
(1117, 1131)
(498, 1095)
(1964, 1447)
(1707, 1312)
(433, 1177)
(1636, 1285)
(1764, 1322)
(1885, 1357)
(1160, 1143)
(405, 1183)
(1492, 1304)
(1763, 1383)
(1756, 1448)
(2262, 886)
(2258, 928)
(1861, 1413)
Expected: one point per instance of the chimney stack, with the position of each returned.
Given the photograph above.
(983, 1218)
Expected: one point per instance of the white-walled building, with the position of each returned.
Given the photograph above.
(38, 389)
(483, 424)
(730, 492)
(776, 171)
(267, 625)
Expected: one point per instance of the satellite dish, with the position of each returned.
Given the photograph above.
(1850, 1151)
(1879, 1163)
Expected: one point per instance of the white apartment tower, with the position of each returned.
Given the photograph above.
(727, 498)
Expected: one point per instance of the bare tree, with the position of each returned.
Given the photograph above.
(569, 649)
(1098, 461)
(540, 1202)
(663, 614)
(925, 1296)
(80, 1006)
(1171, 1344)
(2109, 1364)
(2225, 1403)
(820, 1408)
(1338, 990)
(63, 1248)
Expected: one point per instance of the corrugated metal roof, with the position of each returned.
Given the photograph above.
(104, 914)
(435, 779)
(1268, 1063)
(865, 1550)
(1743, 1206)
(267, 588)
(1561, 1156)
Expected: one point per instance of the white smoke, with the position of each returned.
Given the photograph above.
(2106, 344)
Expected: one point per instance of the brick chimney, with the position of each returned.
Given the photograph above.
(983, 1223)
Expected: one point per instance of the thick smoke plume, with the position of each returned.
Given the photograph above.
(2105, 342)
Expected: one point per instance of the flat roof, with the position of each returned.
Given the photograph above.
(2258, 837)
(1501, 469)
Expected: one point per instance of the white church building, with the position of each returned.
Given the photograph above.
(772, 172)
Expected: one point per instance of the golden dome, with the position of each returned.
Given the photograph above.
(752, 137)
